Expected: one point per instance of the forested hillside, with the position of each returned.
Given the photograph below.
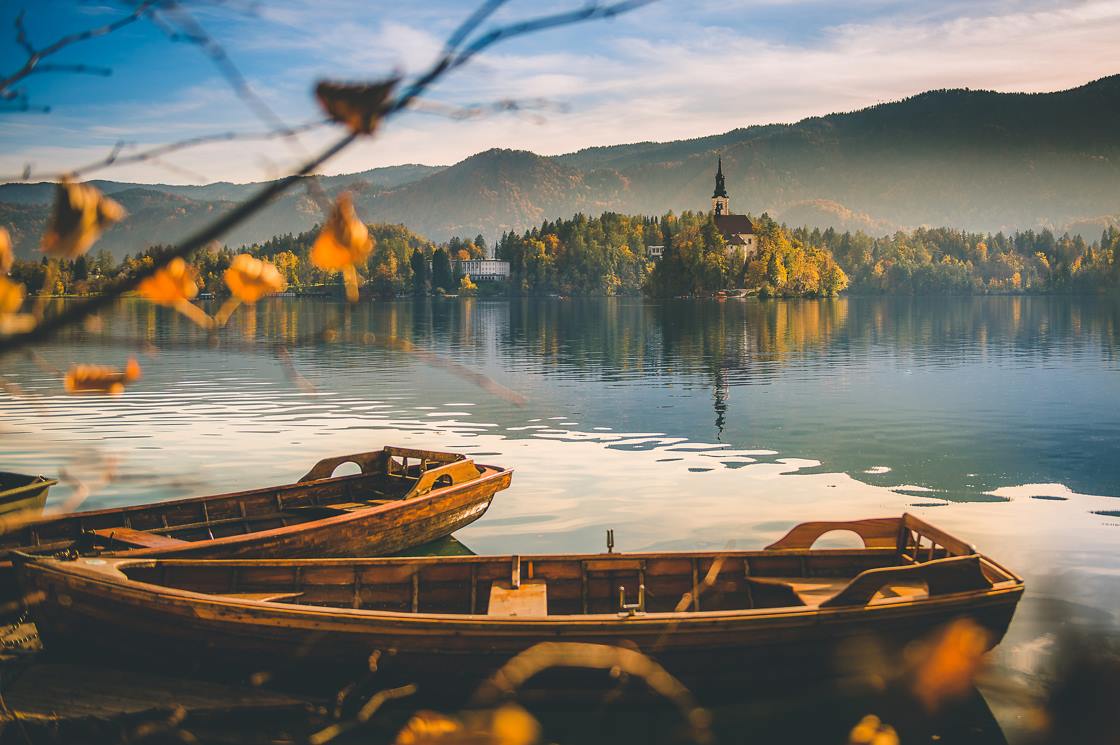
(975, 160)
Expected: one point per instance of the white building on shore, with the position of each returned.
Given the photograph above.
(485, 270)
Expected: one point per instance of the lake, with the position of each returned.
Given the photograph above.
(678, 424)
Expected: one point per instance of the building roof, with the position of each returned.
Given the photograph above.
(731, 225)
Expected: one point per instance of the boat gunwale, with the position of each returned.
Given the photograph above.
(37, 482)
(295, 485)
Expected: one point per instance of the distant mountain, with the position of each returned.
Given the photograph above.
(978, 160)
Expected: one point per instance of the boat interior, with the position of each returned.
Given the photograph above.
(384, 476)
(918, 562)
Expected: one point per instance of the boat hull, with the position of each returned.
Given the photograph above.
(387, 528)
(26, 495)
(85, 615)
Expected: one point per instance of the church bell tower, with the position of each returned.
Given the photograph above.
(721, 205)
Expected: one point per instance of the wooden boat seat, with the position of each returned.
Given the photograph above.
(531, 599)
(816, 590)
(337, 508)
(138, 538)
(265, 597)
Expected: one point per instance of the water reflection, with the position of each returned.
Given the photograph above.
(678, 424)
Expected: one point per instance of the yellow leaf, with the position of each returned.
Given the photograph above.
(170, 286)
(251, 279)
(6, 257)
(945, 667)
(429, 727)
(11, 300)
(81, 213)
(358, 106)
(344, 240)
(512, 725)
(11, 296)
(100, 379)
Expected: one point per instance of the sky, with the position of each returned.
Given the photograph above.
(674, 69)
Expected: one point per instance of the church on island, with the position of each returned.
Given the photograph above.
(737, 230)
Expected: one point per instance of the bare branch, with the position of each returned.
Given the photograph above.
(86, 69)
(36, 56)
(183, 27)
(77, 312)
(115, 156)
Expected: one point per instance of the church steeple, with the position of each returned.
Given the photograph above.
(721, 204)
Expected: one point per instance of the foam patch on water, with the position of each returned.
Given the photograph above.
(1023, 491)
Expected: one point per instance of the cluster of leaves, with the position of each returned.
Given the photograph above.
(697, 261)
(947, 261)
(387, 270)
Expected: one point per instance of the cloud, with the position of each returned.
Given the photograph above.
(676, 70)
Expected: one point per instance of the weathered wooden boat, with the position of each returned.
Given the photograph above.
(401, 498)
(23, 494)
(753, 616)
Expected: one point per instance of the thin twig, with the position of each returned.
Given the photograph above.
(77, 312)
(115, 157)
(35, 56)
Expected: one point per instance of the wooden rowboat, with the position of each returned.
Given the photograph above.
(23, 494)
(401, 498)
(709, 617)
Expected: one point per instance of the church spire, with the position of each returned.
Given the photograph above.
(721, 204)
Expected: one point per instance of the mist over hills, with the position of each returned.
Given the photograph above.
(977, 160)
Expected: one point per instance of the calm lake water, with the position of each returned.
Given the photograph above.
(680, 424)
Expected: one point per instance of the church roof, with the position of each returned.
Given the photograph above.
(731, 225)
(721, 188)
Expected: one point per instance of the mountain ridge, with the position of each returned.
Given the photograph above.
(973, 159)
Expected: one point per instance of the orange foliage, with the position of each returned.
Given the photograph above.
(945, 667)
(6, 257)
(343, 243)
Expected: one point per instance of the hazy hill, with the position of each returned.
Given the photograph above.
(970, 159)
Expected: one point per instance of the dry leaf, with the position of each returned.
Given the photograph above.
(512, 725)
(343, 244)
(344, 240)
(945, 667)
(429, 727)
(81, 213)
(173, 284)
(100, 379)
(11, 300)
(358, 106)
(251, 279)
(11, 296)
(871, 731)
(6, 257)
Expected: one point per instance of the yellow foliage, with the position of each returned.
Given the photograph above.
(11, 300)
(945, 667)
(871, 731)
(512, 725)
(11, 296)
(100, 379)
(428, 727)
(81, 213)
(344, 240)
(173, 284)
(6, 257)
(251, 279)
